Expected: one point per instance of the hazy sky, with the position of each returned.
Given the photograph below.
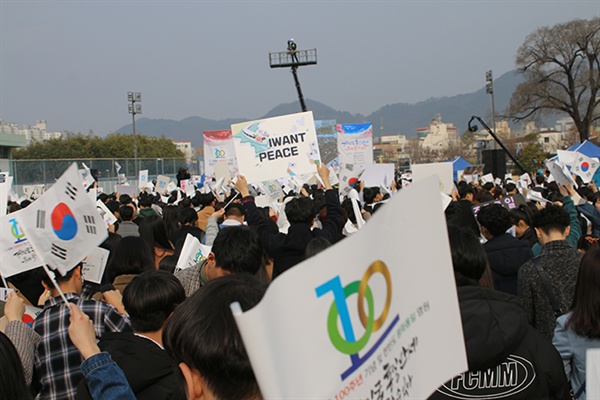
(73, 62)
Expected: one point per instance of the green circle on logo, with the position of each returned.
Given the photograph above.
(337, 340)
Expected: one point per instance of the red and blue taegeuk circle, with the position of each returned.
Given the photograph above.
(585, 166)
(63, 222)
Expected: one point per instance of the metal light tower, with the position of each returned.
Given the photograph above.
(489, 89)
(294, 58)
(135, 108)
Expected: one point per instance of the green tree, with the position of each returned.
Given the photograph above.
(532, 155)
(561, 67)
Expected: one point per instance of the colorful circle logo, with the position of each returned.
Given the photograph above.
(585, 166)
(63, 222)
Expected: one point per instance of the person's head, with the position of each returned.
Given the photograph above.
(172, 218)
(372, 195)
(154, 231)
(585, 320)
(552, 223)
(236, 250)
(203, 338)
(521, 217)
(511, 188)
(71, 282)
(150, 298)
(539, 180)
(595, 198)
(488, 186)
(235, 211)
(131, 256)
(315, 246)
(466, 192)
(300, 210)
(587, 242)
(189, 216)
(12, 378)
(469, 259)
(145, 201)
(494, 220)
(206, 199)
(126, 213)
(125, 199)
(169, 263)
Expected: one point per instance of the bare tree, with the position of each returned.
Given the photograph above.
(561, 67)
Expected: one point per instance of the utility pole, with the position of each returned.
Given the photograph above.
(135, 108)
(489, 89)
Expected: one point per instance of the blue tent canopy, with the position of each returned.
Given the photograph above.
(459, 164)
(587, 148)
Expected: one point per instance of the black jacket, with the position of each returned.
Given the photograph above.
(152, 374)
(505, 255)
(508, 359)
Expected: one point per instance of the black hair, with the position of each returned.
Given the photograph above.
(150, 298)
(125, 199)
(315, 246)
(300, 210)
(509, 187)
(488, 186)
(12, 379)
(126, 213)
(171, 218)
(587, 242)
(539, 179)
(169, 263)
(185, 203)
(585, 317)
(494, 218)
(464, 190)
(234, 209)
(103, 197)
(484, 196)
(552, 218)
(154, 231)
(206, 199)
(469, 259)
(521, 213)
(203, 334)
(189, 216)
(349, 209)
(113, 206)
(130, 256)
(25, 203)
(59, 278)
(145, 200)
(238, 249)
(369, 194)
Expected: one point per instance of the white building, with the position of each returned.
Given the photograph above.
(551, 140)
(438, 135)
(32, 133)
(185, 147)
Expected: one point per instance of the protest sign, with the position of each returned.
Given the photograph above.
(5, 186)
(63, 224)
(162, 181)
(192, 253)
(508, 202)
(126, 189)
(273, 190)
(276, 147)
(474, 169)
(219, 149)
(16, 251)
(105, 213)
(376, 175)
(94, 265)
(443, 171)
(33, 191)
(355, 319)
(143, 179)
(592, 372)
(487, 178)
(355, 144)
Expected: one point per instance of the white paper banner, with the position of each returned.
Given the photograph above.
(105, 213)
(143, 179)
(312, 332)
(94, 265)
(442, 170)
(192, 253)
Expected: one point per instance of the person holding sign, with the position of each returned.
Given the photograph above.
(288, 249)
(57, 362)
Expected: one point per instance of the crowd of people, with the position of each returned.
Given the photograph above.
(528, 283)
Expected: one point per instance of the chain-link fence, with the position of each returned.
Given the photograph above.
(46, 172)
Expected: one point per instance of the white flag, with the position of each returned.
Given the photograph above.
(356, 319)
(16, 252)
(64, 225)
(5, 184)
(584, 166)
(192, 253)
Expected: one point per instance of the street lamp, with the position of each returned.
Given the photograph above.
(489, 89)
(135, 108)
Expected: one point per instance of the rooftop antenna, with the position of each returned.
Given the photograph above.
(294, 58)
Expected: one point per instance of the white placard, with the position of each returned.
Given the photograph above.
(311, 332)
(443, 171)
(94, 265)
(162, 181)
(105, 213)
(377, 175)
(355, 144)
(592, 372)
(143, 179)
(33, 191)
(192, 253)
(126, 189)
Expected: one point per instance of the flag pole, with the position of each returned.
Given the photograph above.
(53, 279)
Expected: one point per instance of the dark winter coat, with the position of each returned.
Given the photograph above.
(505, 255)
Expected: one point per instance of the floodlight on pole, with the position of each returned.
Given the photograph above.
(135, 107)
(489, 89)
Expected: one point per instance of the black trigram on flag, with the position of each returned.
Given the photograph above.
(41, 219)
(71, 191)
(90, 224)
(2, 178)
(59, 252)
